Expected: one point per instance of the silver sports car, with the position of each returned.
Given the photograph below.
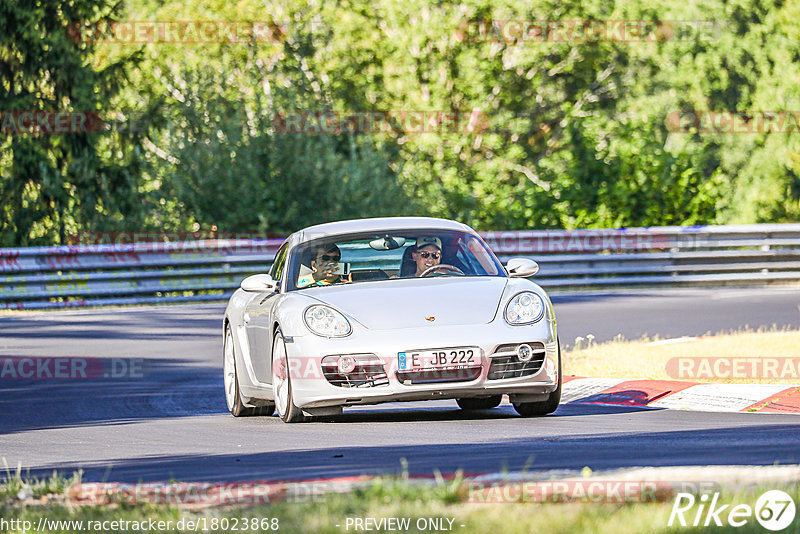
(392, 309)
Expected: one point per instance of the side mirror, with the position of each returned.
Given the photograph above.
(521, 267)
(259, 283)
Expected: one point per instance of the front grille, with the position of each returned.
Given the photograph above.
(433, 376)
(369, 372)
(506, 364)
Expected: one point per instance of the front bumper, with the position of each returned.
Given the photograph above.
(310, 388)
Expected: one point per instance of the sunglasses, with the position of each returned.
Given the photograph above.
(426, 255)
(326, 257)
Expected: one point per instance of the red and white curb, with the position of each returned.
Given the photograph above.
(679, 395)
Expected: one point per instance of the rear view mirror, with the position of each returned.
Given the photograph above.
(521, 267)
(259, 283)
(387, 243)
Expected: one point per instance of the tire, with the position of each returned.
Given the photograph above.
(479, 403)
(233, 396)
(282, 383)
(532, 409)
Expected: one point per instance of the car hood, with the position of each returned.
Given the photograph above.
(416, 302)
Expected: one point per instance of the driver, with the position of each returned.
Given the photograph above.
(323, 266)
(427, 253)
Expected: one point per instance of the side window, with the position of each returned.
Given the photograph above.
(280, 262)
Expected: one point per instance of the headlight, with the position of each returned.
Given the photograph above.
(525, 308)
(325, 321)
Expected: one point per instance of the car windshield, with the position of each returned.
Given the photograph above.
(388, 256)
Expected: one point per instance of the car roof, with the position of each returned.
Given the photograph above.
(380, 224)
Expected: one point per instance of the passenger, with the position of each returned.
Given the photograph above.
(427, 253)
(323, 267)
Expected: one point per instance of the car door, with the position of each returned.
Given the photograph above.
(258, 322)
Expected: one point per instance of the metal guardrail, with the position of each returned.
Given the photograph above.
(137, 273)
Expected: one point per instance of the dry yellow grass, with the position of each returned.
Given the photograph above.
(744, 357)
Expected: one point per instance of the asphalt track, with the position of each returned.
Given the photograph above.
(169, 420)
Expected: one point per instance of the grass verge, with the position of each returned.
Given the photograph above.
(442, 506)
(648, 358)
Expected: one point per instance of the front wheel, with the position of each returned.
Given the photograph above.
(480, 403)
(282, 383)
(531, 409)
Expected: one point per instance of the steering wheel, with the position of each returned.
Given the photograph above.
(444, 266)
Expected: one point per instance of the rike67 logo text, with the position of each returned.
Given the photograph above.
(774, 510)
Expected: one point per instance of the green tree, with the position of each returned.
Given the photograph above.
(577, 132)
(226, 164)
(54, 184)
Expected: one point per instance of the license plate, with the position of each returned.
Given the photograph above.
(452, 358)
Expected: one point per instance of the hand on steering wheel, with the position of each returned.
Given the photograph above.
(443, 266)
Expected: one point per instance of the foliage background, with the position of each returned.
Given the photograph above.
(577, 131)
